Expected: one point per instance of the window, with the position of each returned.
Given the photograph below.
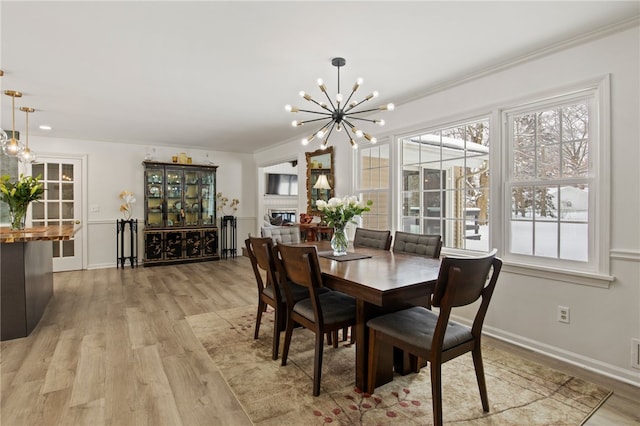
(373, 184)
(445, 184)
(551, 189)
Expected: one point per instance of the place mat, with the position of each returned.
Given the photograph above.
(349, 256)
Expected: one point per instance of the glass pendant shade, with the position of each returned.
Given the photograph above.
(27, 156)
(12, 147)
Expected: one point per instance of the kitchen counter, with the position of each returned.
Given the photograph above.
(26, 276)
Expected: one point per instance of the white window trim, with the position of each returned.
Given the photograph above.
(600, 166)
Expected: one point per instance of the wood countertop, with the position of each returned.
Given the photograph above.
(39, 233)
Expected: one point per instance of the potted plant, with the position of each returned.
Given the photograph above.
(18, 195)
(338, 212)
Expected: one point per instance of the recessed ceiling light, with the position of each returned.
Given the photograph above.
(45, 127)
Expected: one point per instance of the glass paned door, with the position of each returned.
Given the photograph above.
(61, 205)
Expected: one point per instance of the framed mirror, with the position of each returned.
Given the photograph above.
(320, 178)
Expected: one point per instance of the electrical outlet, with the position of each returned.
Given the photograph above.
(635, 353)
(564, 314)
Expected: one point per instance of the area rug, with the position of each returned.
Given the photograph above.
(520, 392)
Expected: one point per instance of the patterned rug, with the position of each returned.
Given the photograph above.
(520, 392)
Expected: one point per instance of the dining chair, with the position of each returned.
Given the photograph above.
(322, 313)
(270, 293)
(432, 336)
(419, 244)
(372, 238)
(282, 234)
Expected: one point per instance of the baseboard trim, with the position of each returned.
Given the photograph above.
(590, 364)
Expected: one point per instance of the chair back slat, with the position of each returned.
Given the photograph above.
(470, 281)
(259, 252)
(419, 244)
(372, 238)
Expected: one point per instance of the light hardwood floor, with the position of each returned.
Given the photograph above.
(114, 348)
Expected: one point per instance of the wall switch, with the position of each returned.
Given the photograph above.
(635, 353)
(94, 208)
(563, 314)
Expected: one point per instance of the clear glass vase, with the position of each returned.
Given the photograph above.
(17, 216)
(339, 241)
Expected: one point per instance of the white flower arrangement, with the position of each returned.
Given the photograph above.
(338, 212)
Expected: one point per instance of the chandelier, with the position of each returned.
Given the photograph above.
(338, 115)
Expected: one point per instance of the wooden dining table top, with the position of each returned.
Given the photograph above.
(384, 274)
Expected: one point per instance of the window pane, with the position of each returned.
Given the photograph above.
(68, 248)
(575, 157)
(67, 191)
(53, 211)
(67, 172)
(67, 210)
(548, 161)
(548, 129)
(575, 241)
(546, 239)
(53, 191)
(522, 202)
(521, 237)
(37, 169)
(37, 211)
(574, 203)
(53, 171)
(575, 122)
(545, 203)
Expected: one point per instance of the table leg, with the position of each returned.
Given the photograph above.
(384, 373)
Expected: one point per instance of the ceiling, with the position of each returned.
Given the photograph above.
(216, 75)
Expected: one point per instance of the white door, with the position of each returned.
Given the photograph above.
(61, 205)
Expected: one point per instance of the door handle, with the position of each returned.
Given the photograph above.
(77, 222)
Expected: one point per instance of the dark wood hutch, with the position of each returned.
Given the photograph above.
(179, 213)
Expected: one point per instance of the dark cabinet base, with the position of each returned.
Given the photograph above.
(26, 285)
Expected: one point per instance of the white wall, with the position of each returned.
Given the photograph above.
(523, 310)
(114, 167)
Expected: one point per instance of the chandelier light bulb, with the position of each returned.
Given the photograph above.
(305, 141)
(291, 108)
(357, 84)
(295, 123)
(338, 127)
(359, 133)
(353, 143)
(380, 122)
(321, 85)
(339, 97)
(320, 133)
(305, 95)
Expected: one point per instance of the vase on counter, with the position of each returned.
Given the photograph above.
(339, 241)
(18, 216)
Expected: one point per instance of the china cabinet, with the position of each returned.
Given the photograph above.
(179, 213)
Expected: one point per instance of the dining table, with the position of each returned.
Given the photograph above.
(381, 281)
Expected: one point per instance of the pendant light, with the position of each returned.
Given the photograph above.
(27, 156)
(13, 146)
(3, 135)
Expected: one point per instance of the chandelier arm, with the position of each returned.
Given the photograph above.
(349, 98)
(365, 110)
(319, 104)
(356, 105)
(315, 112)
(344, 120)
(314, 120)
(330, 102)
(363, 119)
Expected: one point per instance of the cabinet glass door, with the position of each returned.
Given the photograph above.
(175, 202)
(154, 197)
(191, 198)
(208, 193)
